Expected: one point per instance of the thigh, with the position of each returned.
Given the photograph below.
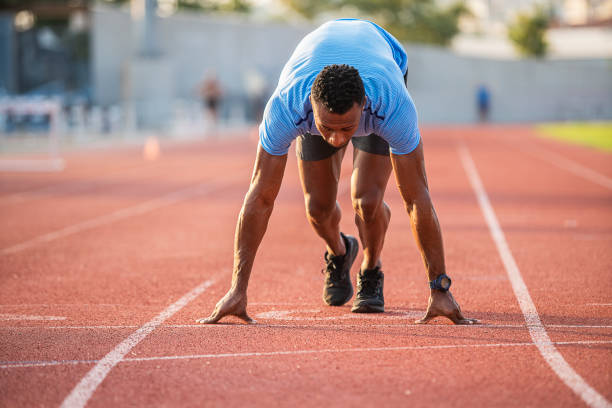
(320, 178)
(370, 175)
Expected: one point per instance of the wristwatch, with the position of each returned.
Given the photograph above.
(442, 282)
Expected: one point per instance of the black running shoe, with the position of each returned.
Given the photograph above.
(338, 288)
(369, 297)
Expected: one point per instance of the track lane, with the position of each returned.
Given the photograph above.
(535, 242)
(287, 273)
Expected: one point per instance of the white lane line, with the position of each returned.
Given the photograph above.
(51, 363)
(277, 304)
(5, 316)
(80, 305)
(578, 326)
(570, 165)
(163, 201)
(67, 327)
(25, 364)
(360, 349)
(313, 326)
(536, 329)
(290, 315)
(83, 391)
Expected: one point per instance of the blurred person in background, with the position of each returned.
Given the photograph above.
(483, 102)
(345, 82)
(211, 93)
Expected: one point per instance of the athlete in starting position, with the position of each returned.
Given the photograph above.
(345, 82)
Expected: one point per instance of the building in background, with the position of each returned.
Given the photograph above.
(136, 66)
(579, 28)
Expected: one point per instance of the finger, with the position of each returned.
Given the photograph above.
(212, 319)
(458, 318)
(244, 316)
(472, 321)
(465, 321)
(425, 319)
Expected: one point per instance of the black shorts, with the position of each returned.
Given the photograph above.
(312, 147)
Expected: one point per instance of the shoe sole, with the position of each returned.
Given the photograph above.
(366, 308)
(352, 255)
(349, 296)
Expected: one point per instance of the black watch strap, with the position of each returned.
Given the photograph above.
(442, 282)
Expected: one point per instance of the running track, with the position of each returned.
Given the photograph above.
(105, 266)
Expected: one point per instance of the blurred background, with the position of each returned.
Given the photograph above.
(84, 71)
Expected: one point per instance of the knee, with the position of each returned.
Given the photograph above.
(317, 211)
(367, 207)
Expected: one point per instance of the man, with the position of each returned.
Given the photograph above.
(325, 106)
(483, 98)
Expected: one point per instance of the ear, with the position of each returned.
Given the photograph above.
(365, 99)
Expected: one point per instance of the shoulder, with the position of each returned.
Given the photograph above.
(400, 125)
(278, 127)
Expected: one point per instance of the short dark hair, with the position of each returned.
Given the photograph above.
(338, 88)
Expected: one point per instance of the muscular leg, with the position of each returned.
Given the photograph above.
(368, 183)
(320, 184)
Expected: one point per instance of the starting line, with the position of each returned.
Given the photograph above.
(304, 326)
(291, 315)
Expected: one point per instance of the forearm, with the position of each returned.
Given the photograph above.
(426, 232)
(255, 213)
(412, 183)
(250, 230)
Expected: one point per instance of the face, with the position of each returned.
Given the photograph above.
(336, 129)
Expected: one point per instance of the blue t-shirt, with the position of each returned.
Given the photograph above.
(381, 61)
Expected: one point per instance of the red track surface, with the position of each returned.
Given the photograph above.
(104, 279)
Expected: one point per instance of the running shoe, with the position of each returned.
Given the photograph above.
(369, 297)
(338, 288)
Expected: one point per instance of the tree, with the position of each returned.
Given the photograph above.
(230, 6)
(408, 20)
(528, 33)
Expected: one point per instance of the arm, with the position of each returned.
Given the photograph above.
(250, 229)
(411, 180)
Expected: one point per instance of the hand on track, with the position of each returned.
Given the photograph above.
(232, 304)
(444, 304)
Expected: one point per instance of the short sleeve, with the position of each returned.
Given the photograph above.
(276, 131)
(400, 127)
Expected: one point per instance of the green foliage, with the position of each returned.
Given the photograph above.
(237, 6)
(528, 33)
(408, 20)
(25, 4)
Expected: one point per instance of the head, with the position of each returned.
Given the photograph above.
(337, 97)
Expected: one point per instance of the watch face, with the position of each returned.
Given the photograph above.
(445, 283)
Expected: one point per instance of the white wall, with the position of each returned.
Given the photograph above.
(442, 84)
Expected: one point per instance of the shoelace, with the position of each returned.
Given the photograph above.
(369, 284)
(332, 268)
